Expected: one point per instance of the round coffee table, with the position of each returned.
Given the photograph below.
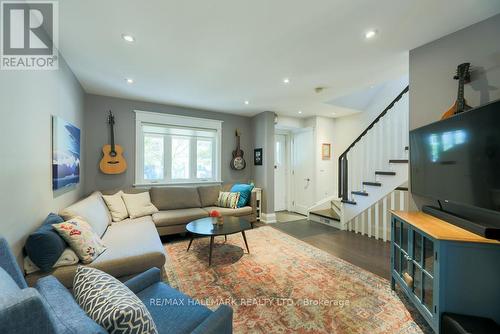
(204, 227)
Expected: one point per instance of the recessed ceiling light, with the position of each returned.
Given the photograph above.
(286, 81)
(128, 38)
(370, 34)
(300, 111)
(130, 80)
(247, 102)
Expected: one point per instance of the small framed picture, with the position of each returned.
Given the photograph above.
(326, 151)
(257, 157)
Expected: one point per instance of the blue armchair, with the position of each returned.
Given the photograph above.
(50, 308)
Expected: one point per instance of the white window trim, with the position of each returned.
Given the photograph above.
(174, 120)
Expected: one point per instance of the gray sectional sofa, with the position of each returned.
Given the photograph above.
(133, 245)
(180, 205)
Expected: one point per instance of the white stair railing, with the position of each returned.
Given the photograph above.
(374, 221)
(386, 140)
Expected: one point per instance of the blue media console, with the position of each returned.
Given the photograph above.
(444, 268)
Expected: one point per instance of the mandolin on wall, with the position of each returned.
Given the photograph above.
(112, 161)
(460, 105)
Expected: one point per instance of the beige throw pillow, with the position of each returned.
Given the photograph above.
(139, 205)
(81, 238)
(116, 206)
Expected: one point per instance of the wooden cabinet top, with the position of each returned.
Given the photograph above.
(439, 229)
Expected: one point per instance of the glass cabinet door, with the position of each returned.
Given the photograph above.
(402, 260)
(423, 268)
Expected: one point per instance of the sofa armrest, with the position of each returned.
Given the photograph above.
(219, 322)
(144, 280)
(9, 264)
(253, 201)
(25, 313)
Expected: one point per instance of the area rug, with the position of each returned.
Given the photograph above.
(287, 286)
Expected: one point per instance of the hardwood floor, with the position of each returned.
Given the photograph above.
(367, 253)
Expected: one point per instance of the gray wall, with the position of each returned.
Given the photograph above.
(432, 66)
(96, 111)
(263, 176)
(28, 99)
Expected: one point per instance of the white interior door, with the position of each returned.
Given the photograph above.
(303, 170)
(280, 172)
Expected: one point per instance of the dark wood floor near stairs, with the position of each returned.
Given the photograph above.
(367, 253)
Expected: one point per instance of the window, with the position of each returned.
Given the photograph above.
(174, 149)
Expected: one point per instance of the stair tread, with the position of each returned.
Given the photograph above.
(360, 193)
(326, 213)
(348, 202)
(398, 161)
(369, 183)
(381, 172)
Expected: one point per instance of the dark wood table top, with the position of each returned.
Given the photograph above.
(231, 225)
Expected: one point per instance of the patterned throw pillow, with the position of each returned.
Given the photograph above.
(81, 238)
(228, 200)
(110, 303)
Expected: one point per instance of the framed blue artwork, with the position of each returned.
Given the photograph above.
(65, 154)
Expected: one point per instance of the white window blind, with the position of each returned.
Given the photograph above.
(173, 149)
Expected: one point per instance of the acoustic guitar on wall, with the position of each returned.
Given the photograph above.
(112, 161)
(460, 105)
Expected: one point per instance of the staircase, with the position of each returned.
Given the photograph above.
(373, 171)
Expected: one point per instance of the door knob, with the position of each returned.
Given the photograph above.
(307, 179)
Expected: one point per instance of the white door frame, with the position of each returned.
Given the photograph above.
(288, 168)
(292, 173)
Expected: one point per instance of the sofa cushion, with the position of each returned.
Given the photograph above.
(116, 206)
(245, 191)
(93, 210)
(111, 304)
(133, 247)
(82, 239)
(171, 198)
(148, 219)
(45, 245)
(209, 194)
(8, 287)
(181, 315)
(238, 212)
(70, 318)
(177, 217)
(139, 205)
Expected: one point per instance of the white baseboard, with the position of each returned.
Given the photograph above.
(268, 218)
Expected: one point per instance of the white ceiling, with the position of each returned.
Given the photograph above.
(216, 54)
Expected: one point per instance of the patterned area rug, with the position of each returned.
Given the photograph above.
(287, 286)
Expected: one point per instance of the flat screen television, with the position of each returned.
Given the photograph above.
(457, 160)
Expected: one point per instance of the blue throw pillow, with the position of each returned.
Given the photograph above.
(245, 191)
(45, 245)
